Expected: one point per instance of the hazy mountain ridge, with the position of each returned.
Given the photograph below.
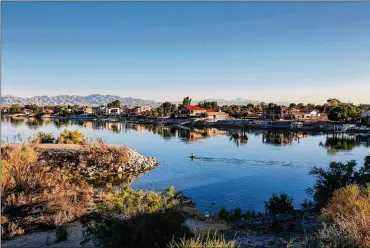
(98, 99)
(94, 99)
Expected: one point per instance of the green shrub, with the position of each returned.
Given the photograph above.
(278, 204)
(44, 138)
(250, 214)
(307, 204)
(338, 175)
(129, 218)
(233, 215)
(223, 214)
(72, 137)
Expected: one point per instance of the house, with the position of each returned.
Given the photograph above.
(188, 110)
(305, 114)
(276, 113)
(132, 110)
(366, 115)
(98, 111)
(88, 110)
(217, 115)
(112, 111)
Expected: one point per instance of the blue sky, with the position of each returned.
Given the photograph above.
(286, 51)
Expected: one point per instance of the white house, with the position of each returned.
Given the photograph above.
(112, 111)
(366, 115)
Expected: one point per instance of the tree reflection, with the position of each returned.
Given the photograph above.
(343, 143)
(238, 137)
(282, 138)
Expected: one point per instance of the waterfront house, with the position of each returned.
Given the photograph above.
(112, 111)
(217, 115)
(88, 110)
(366, 116)
(305, 114)
(98, 111)
(276, 113)
(188, 110)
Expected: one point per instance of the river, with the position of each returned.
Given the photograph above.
(233, 168)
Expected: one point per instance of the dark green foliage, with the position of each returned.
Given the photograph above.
(146, 230)
(114, 104)
(208, 105)
(307, 204)
(15, 108)
(45, 138)
(61, 233)
(186, 101)
(223, 214)
(336, 176)
(250, 214)
(344, 112)
(233, 215)
(278, 204)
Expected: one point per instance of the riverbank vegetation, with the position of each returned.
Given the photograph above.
(38, 194)
(35, 196)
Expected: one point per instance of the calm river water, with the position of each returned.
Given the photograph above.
(235, 168)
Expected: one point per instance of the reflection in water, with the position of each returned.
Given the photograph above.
(283, 138)
(334, 143)
(340, 142)
(238, 137)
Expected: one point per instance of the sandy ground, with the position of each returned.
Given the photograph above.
(47, 239)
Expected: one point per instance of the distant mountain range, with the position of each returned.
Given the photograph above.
(98, 99)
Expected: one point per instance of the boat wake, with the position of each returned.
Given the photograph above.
(244, 161)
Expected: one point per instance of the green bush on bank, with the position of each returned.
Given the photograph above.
(338, 175)
(129, 218)
(278, 204)
(71, 137)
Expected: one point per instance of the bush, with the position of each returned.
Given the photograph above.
(201, 241)
(330, 236)
(338, 175)
(44, 138)
(37, 195)
(233, 215)
(279, 204)
(61, 233)
(349, 209)
(128, 218)
(72, 137)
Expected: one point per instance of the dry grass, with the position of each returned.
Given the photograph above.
(34, 195)
(102, 156)
(349, 209)
(202, 241)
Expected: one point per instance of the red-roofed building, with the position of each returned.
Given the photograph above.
(189, 110)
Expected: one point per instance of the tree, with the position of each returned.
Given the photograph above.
(208, 105)
(292, 105)
(333, 101)
(344, 112)
(32, 107)
(271, 105)
(15, 108)
(186, 101)
(114, 104)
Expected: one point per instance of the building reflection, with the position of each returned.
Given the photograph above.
(282, 138)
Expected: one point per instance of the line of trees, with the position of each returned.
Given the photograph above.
(334, 108)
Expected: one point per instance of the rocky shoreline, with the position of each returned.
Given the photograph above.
(73, 157)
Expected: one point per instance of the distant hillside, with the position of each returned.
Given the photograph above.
(95, 99)
(98, 99)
